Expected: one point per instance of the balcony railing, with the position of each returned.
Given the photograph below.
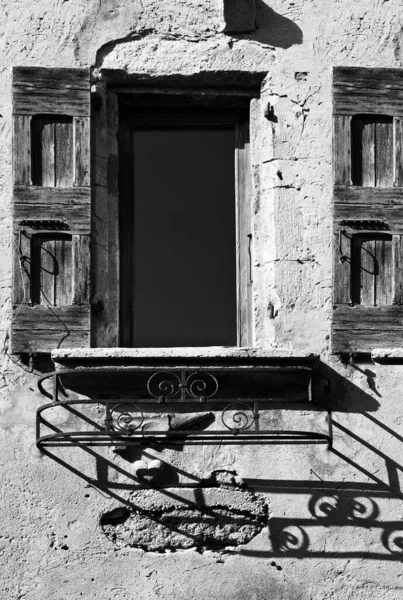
(175, 402)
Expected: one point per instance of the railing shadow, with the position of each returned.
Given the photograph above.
(333, 519)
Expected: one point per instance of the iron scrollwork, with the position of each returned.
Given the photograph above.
(126, 418)
(238, 417)
(166, 385)
(132, 418)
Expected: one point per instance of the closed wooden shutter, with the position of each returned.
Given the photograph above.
(368, 209)
(52, 209)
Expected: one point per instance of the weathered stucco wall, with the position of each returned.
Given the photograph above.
(294, 521)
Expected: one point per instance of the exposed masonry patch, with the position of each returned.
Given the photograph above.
(176, 519)
(154, 55)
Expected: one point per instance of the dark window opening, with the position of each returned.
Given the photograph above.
(184, 238)
(178, 230)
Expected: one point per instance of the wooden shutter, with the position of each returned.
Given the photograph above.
(368, 208)
(52, 209)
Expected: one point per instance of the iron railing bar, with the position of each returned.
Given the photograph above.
(220, 437)
(172, 433)
(189, 402)
(43, 443)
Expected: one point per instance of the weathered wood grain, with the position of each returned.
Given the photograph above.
(397, 277)
(342, 267)
(51, 91)
(392, 215)
(363, 151)
(363, 203)
(372, 151)
(64, 163)
(243, 193)
(367, 153)
(364, 78)
(398, 150)
(367, 91)
(361, 328)
(42, 328)
(80, 272)
(82, 165)
(21, 266)
(372, 270)
(75, 215)
(369, 195)
(22, 150)
(51, 257)
(384, 271)
(71, 205)
(368, 317)
(52, 152)
(44, 153)
(342, 150)
(384, 153)
(54, 316)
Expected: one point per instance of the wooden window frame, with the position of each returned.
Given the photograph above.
(186, 118)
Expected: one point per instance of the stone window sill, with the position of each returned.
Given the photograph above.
(71, 357)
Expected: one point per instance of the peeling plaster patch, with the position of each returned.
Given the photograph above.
(202, 518)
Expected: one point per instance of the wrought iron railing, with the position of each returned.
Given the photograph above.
(195, 408)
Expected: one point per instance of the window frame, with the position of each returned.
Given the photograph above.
(181, 115)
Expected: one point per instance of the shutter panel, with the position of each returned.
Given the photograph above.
(368, 208)
(52, 209)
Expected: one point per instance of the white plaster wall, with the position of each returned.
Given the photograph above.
(340, 511)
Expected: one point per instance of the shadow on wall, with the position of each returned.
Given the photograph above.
(353, 514)
(273, 29)
(340, 394)
(350, 514)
